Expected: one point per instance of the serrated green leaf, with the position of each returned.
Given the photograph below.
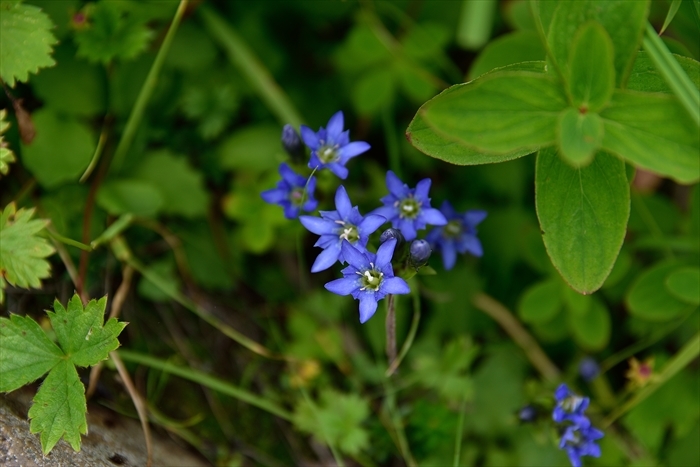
(652, 131)
(212, 105)
(26, 41)
(6, 154)
(592, 72)
(112, 33)
(684, 284)
(648, 297)
(591, 330)
(623, 20)
(80, 331)
(181, 186)
(583, 216)
(541, 302)
(644, 76)
(22, 253)
(261, 140)
(123, 196)
(579, 136)
(59, 408)
(61, 151)
(26, 353)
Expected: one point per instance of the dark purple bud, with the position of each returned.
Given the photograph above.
(419, 253)
(392, 233)
(527, 414)
(588, 369)
(291, 142)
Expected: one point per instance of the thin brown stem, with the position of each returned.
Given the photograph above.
(390, 329)
(519, 334)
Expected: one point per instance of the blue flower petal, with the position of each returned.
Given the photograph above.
(387, 212)
(274, 195)
(407, 229)
(338, 169)
(342, 203)
(395, 285)
(422, 190)
(368, 305)
(354, 257)
(317, 225)
(448, 210)
(370, 224)
(344, 286)
(290, 212)
(385, 253)
(474, 217)
(309, 137)
(290, 176)
(335, 127)
(395, 186)
(353, 149)
(449, 255)
(326, 259)
(432, 216)
(471, 244)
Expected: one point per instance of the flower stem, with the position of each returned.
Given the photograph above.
(411, 332)
(390, 329)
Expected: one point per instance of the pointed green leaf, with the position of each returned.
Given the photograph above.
(580, 136)
(26, 353)
(673, 9)
(499, 113)
(541, 302)
(649, 299)
(26, 41)
(623, 20)
(514, 47)
(583, 215)
(591, 330)
(592, 78)
(652, 131)
(80, 332)
(684, 284)
(59, 408)
(646, 78)
(22, 253)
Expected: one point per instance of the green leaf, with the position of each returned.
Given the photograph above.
(580, 136)
(623, 20)
(652, 131)
(22, 253)
(6, 154)
(181, 186)
(644, 76)
(255, 148)
(515, 47)
(649, 299)
(61, 151)
(591, 330)
(499, 113)
(26, 353)
(59, 408)
(592, 78)
(684, 284)
(336, 420)
(583, 216)
(112, 33)
(541, 302)
(673, 9)
(475, 23)
(26, 41)
(80, 332)
(575, 302)
(130, 196)
(373, 90)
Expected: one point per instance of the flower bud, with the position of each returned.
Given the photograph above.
(419, 253)
(588, 369)
(527, 414)
(392, 233)
(291, 142)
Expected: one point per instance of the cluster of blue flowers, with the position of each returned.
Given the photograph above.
(344, 232)
(579, 436)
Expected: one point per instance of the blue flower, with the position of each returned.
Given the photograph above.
(368, 277)
(293, 193)
(331, 147)
(345, 223)
(588, 369)
(458, 236)
(579, 436)
(408, 209)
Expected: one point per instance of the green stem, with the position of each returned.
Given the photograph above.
(132, 124)
(458, 435)
(685, 356)
(68, 241)
(98, 152)
(113, 230)
(670, 69)
(257, 75)
(411, 332)
(391, 329)
(206, 380)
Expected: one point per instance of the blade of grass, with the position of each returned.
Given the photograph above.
(677, 79)
(132, 124)
(257, 75)
(212, 382)
(671, 14)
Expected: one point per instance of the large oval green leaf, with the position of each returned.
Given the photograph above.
(583, 216)
(541, 302)
(684, 284)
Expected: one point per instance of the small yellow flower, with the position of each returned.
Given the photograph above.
(639, 374)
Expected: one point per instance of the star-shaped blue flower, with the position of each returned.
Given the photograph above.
(345, 223)
(408, 209)
(293, 193)
(458, 236)
(368, 277)
(579, 436)
(331, 147)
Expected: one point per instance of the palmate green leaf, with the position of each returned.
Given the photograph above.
(26, 353)
(583, 215)
(59, 408)
(6, 154)
(649, 299)
(623, 20)
(80, 332)
(646, 78)
(592, 73)
(26, 41)
(652, 131)
(22, 253)
(580, 135)
(130, 195)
